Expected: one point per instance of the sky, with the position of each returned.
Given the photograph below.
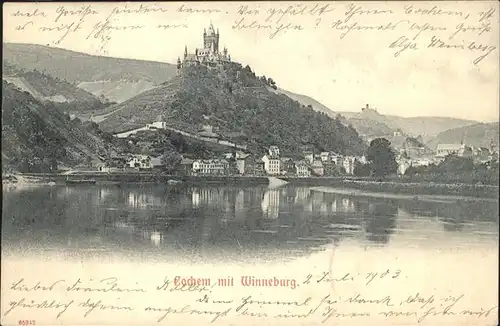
(311, 56)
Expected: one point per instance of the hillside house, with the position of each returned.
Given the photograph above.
(301, 169)
(207, 131)
(140, 162)
(157, 125)
(461, 150)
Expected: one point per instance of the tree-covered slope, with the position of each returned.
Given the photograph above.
(38, 134)
(234, 100)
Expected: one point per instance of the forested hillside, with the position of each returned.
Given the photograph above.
(37, 136)
(234, 100)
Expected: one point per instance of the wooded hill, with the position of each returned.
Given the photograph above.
(235, 101)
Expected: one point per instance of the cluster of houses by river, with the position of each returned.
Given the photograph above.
(237, 161)
(240, 163)
(272, 163)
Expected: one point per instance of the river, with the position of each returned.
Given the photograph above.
(396, 249)
(230, 222)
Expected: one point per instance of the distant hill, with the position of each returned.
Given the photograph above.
(372, 123)
(44, 87)
(34, 131)
(117, 79)
(234, 100)
(477, 135)
(428, 126)
(306, 101)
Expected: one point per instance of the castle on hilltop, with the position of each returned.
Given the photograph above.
(209, 55)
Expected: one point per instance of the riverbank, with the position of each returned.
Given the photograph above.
(451, 199)
(392, 187)
(138, 177)
(402, 187)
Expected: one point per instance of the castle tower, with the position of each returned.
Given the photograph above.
(211, 39)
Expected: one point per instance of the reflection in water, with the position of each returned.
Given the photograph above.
(228, 220)
(380, 221)
(271, 203)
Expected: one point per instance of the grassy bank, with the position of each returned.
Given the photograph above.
(467, 190)
(403, 187)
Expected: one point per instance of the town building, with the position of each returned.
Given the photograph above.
(461, 150)
(157, 164)
(422, 161)
(308, 157)
(317, 168)
(209, 55)
(336, 158)
(403, 165)
(103, 167)
(348, 164)
(331, 169)
(287, 165)
(259, 168)
(325, 156)
(140, 162)
(211, 167)
(272, 162)
(186, 166)
(244, 162)
(301, 169)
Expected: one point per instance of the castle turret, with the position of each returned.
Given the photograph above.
(211, 39)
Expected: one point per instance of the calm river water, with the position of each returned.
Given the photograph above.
(231, 223)
(388, 261)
